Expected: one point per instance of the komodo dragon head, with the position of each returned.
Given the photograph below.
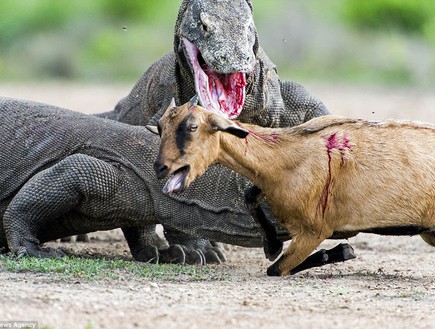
(216, 43)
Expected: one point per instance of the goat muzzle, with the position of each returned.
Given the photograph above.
(161, 169)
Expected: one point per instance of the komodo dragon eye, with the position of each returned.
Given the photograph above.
(205, 22)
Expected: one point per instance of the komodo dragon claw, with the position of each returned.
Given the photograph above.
(32, 251)
(211, 254)
(179, 254)
(197, 251)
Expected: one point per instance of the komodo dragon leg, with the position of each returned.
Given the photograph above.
(82, 194)
(77, 195)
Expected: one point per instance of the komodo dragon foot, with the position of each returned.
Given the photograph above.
(32, 249)
(196, 251)
(180, 254)
(177, 247)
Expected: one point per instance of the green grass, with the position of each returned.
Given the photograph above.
(103, 269)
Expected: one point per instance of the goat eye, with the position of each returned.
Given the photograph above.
(193, 128)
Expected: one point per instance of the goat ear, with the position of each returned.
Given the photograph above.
(237, 131)
(222, 124)
(172, 102)
(153, 129)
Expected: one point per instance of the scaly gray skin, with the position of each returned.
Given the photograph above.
(65, 173)
(224, 34)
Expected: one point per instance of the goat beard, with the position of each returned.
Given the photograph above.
(220, 93)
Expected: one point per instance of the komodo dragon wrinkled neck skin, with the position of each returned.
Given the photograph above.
(64, 173)
(217, 56)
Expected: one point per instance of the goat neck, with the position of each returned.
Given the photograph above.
(255, 155)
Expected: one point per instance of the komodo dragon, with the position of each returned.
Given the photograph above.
(65, 173)
(217, 56)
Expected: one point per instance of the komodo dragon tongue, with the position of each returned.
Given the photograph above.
(220, 93)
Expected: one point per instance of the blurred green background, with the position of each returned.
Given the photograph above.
(385, 42)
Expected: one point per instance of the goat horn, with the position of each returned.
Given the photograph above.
(172, 102)
(155, 119)
(193, 101)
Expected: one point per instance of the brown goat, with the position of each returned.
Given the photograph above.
(329, 176)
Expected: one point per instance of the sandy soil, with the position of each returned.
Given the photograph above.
(391, 284)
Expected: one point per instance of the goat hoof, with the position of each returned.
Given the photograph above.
(347, 250)
(274, 270)
(273, 249)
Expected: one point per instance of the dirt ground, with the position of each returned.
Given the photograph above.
(391, 284)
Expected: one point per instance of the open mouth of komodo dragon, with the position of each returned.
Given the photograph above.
(220, 93)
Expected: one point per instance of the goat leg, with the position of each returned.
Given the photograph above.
(339, 253)
(271, 245)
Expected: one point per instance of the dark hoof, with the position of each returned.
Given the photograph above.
(347, 251)
(341, 253)
(272, 249)
(273, 270)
